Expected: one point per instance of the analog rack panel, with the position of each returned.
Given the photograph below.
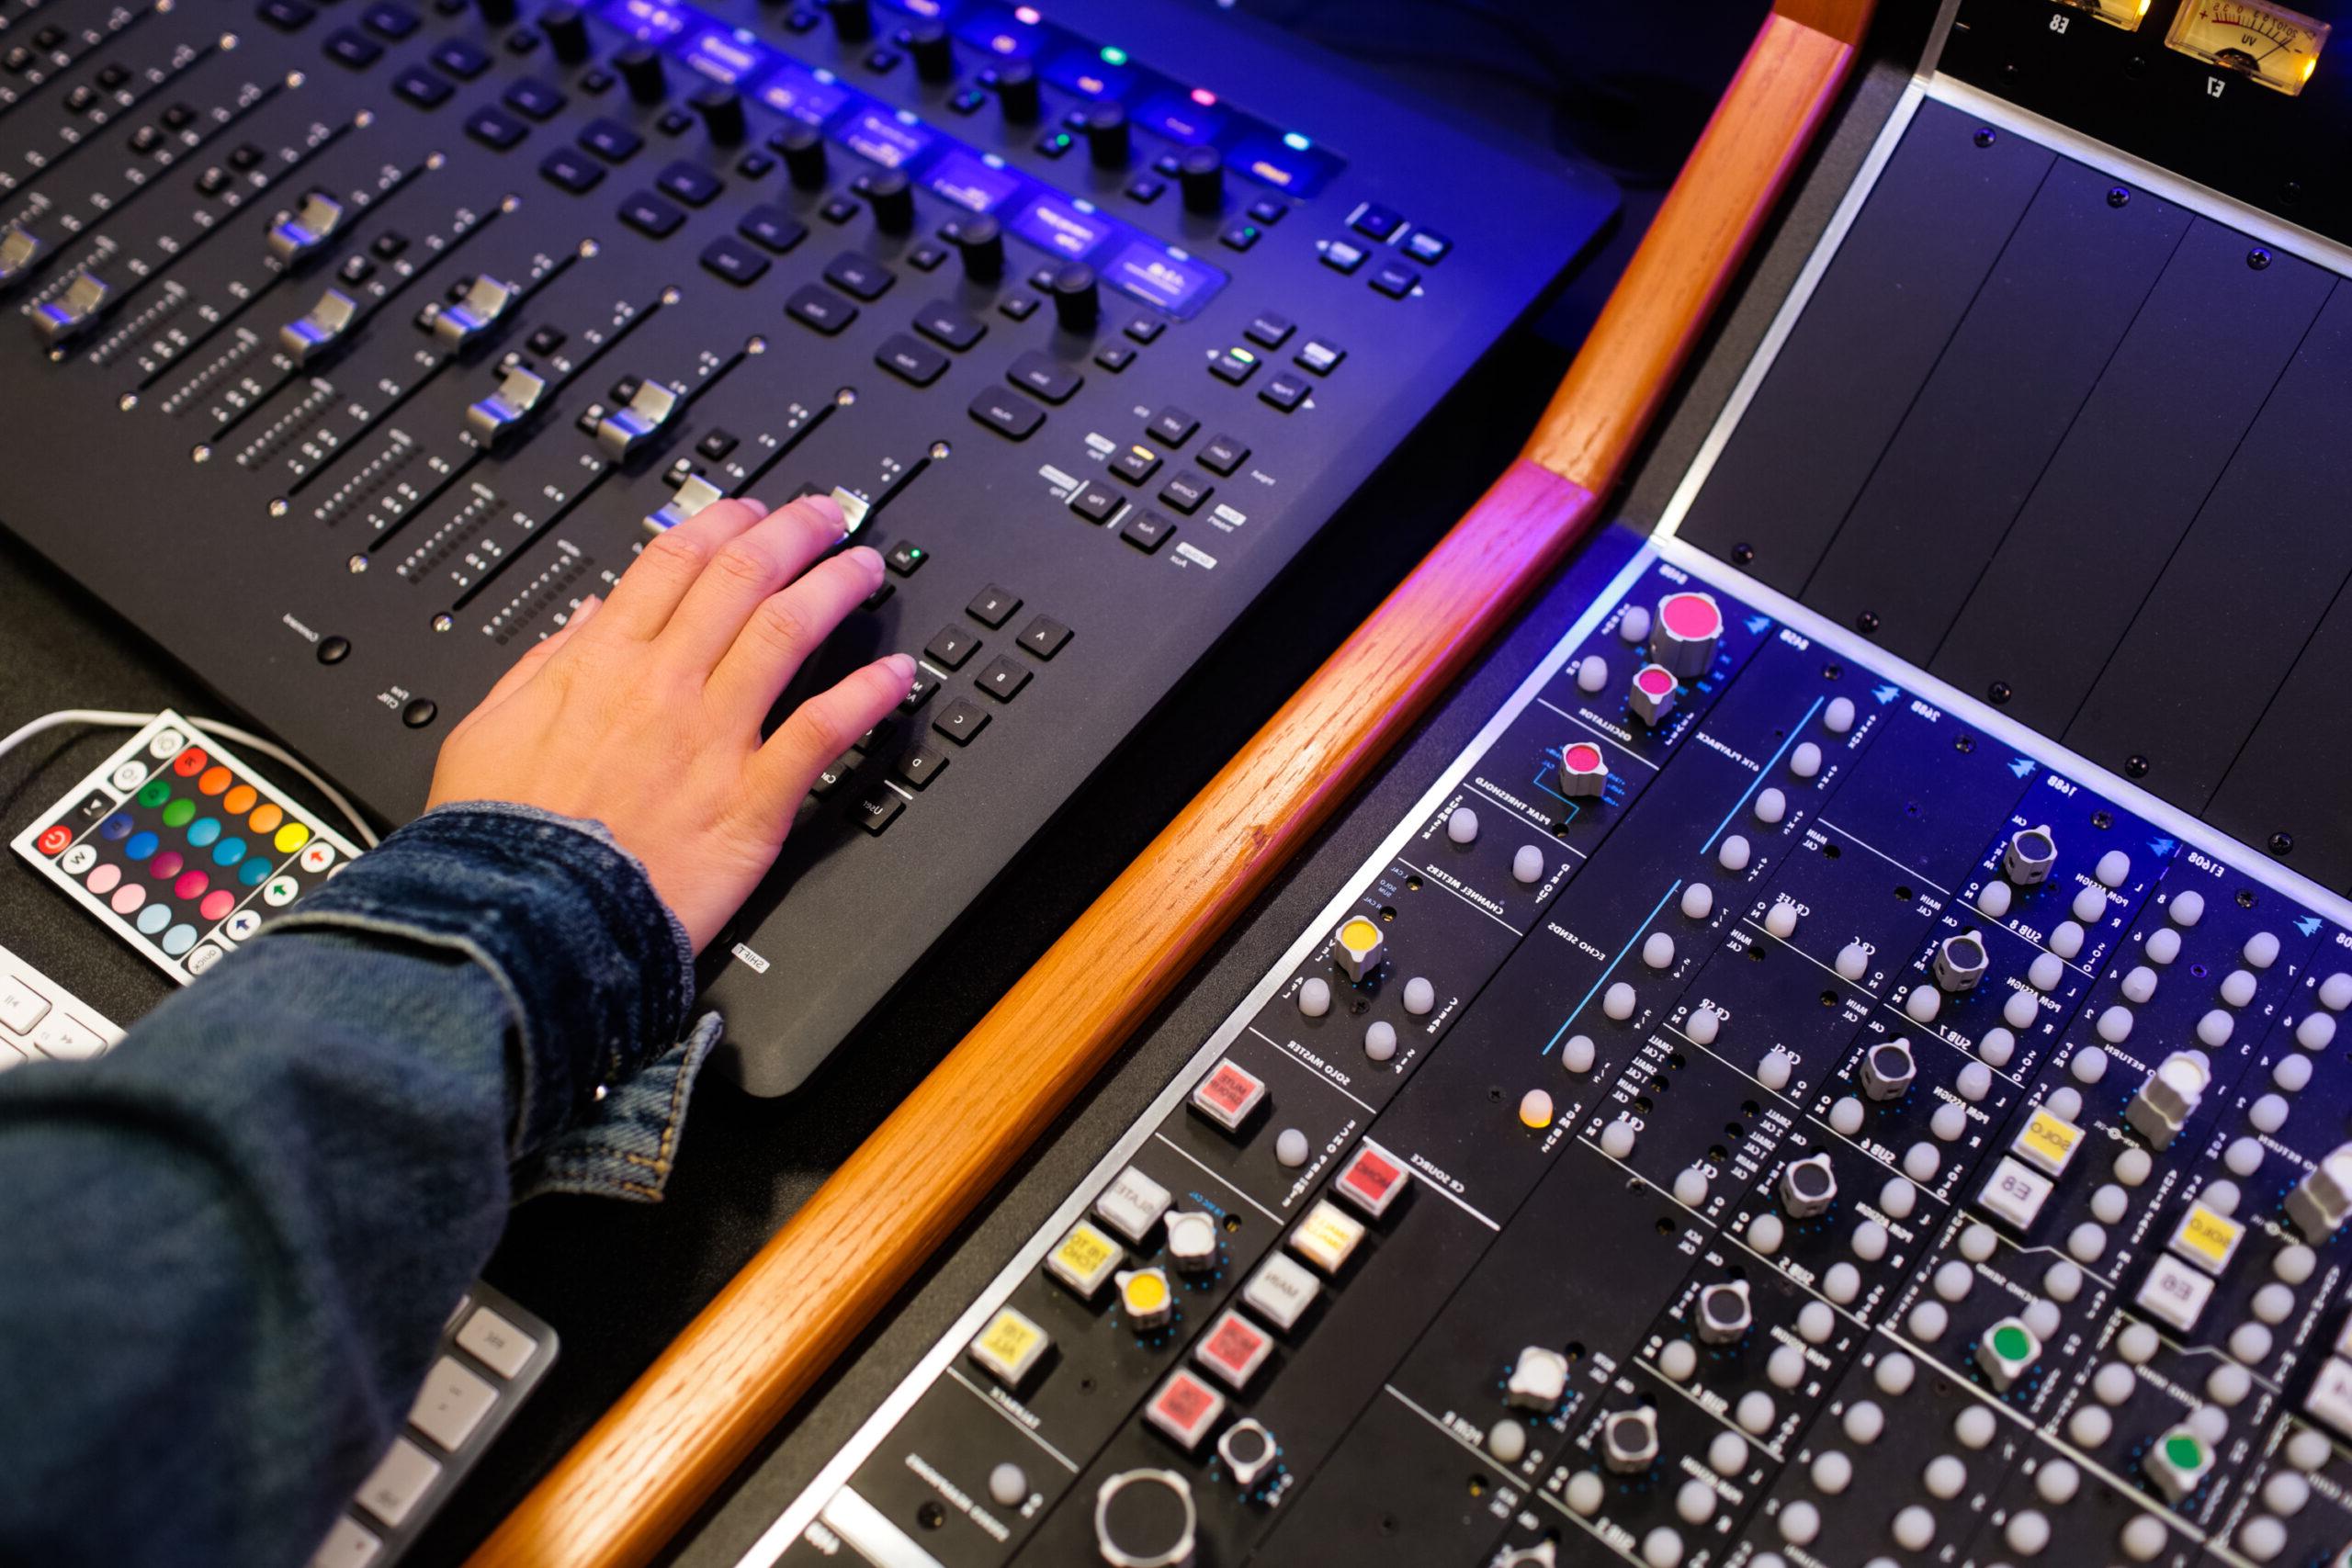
(361, 342)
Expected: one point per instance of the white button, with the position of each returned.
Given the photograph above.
(1698, 901)
(241, 925)
(2114, 868)
(1132, 1204)
(2140, 984)
(1419, 995)
(1805, 760)
(1281, 1291)
(1008, 1485)
(129, 776)
(1992, 898)
(1732, 853)
(1635, 626)
(21, 1006)
(279, 891)
(1853, 961)
(1314, 998)
(1657, 952)
(164, 743)
(1618, 1001)
(1379, 1040)
(2090, 905)
(1527, 865)
(1781, 920)
(2161, 946)
(1770, 806)
(398, 1480)
(2237, 987)
(317, 855)
(1462, 826)
(77, 860)
(2188, 908)
(348, 1545)
(66, 1040)
(1592, 674)
(2066, 939)
(1838, 716)
(2262, 949)
(2335, 992)
(496, 1343)
(451, 1404)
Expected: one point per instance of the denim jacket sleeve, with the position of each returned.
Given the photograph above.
(231, 1241)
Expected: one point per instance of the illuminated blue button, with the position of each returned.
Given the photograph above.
(228, 852)
(179, 939)
(155, 917)
(203, 830)
(255, 872)
(139, 846)
(116, 828)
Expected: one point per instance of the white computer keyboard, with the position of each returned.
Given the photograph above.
(492, 1351)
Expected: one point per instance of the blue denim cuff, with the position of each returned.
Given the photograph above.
(597, 972)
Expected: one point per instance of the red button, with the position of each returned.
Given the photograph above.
(54, 841)
(217, 904)
(190, 762)
(166, 867)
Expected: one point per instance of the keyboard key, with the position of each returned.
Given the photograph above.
(1284, 392)
(960, 720)
(1017, 307)
(286, 16)
(772, 228)
(906, 560)
(1171, 426)
(571, 169)
(857, 273)
(1222, 454)
(1395, 281)
(1145, 329)
(1341, 257)
(947, 325)
(611, 140)
(1015, 418)
(462, 59)
(1043, 636)
(1186, 490)
(926, 257)
(451, 1404)
(878, 808)
(1004, 677)
(1115, 357)
(910, 360)
(535, 98)
(495, 129)
(992, 607)
(920, 763)
(1234, 366)
(1269, 329)
(496, 1343)
(690, 183)
(1045, 376)
(951, 647)
(21, 1006)
(394, 22)
(819, 306)
(1094, 503)
(834, 773)
(648, 214)
(920, 690)
(1146, 531)
(1378, 223)
(1319, 356)
(733, 260)
(1241, 236)
(1136, 464)
(1427, 246)
(354, 50)
(348, 1545)
(399, 1482)
(427, 91)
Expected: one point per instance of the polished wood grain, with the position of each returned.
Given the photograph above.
(693, 1418)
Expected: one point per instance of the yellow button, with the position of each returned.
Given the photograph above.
(1144, 1290)
(1084, 1259)
(1326, 1237)
(2207, 1239)
(291, 837)
(2049, 1140)
(1009, 1346)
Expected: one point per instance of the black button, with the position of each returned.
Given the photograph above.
(835, 772)
(79, 100)
(855, 273)
(419, 713)
(611, 140)
(495, 127)
(1232, 366)
(690, 183)
(1186, 490)
(873, 739)
(1268, 210)
(926, 257)
(754, 165)
(1136, 464)
(1144, 329)
(212, 182)
(1043, 636)
(113, 76)
(390, 21)
(1145, 188)
(920, 763)
(943, 323)
(357, 267)
(1054, 143)
(462, 59)
(1268, 329)
(1115, 357)
(881, 596)
(1284, 392)
(422, 87)
(772, 228)
(284, 15)
(1013, 417)
(1395, 281)
(733, 260)
(1094, 503)
(920, 689)
(146, 139)
(334, 650)
(881, 60)
(177, 117)
(906, 560)
(387, 245)
(968, 101)
(1222, 454)
(1378, 223)
(904, 358)
(1171, 426)
(1004, 677)
(1050, 380)
(951, 647)
(820, 308)
(1019, 307)
(1240, 236)
(878, 808)
(573, 169)
(840, 209)
(960, 720)
(1146, 531)
(545, 341)
(1427, 246)
(674, 123)
(648, 214)
(356, 49)
(992, 607)
(597, 83)
(716, 443)
(1342, 255)
(1318, 357)
(535, 98)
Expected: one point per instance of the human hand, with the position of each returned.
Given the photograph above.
(644, 712)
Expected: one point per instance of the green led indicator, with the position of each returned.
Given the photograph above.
(1113, 55)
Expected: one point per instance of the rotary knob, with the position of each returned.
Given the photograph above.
(1107, 141)
(1684, 636)
(2031, 854)
(935, 55)
(892, 196)
(1143, 1518)
(1629, 1440)
(1077, 301)
(1016, 92)
(1653, 694)
(1202, 171)
(980, 240)
(1888, 1068)
(803, 147)
(722, 113)
(1960, 962)
(853, 20)
(1584, 771)
(1808, 1186)
(1725, 1313)
(566, 28)
(641, 66)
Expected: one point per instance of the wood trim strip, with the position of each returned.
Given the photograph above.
(698, 1413)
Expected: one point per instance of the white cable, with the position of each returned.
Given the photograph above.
(112, 718)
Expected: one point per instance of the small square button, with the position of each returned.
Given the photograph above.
(571, 170)
(1281, 1291)
(881, 596)
(926, 257)
(1004, 677)
(819, 306)
(772, 228)
(649, 215)
(961, 719)
(716, 443)
(1136, 464)
(1284, 392)
(733, 260)
(992, 607)
(462, 59)
(354, 50)
(422, 87)
(1008, 413)
(920, 763)
(1318, 357)
(1235, 366)
(1241, 236)
(918, 690)
(917, 362)
(1378, 223)
(535, 98)
(1224, 454)
(1342, 255)
(1233, 1349)
(690, 183)
(1395, 281)
(1326, 1237)
(1045, 376)
(839, 210)
(1171, 426)
(906, 560)
(1043, 636)
(495, 129)
(1146, 531)
(834, 774)
(1145, 329)
(1427, 246)
(947, 326)
(1185, 491)
(1269, 329)
(1009, 1348)
(951, 647)
(1268, 210)
(611, 140)
(860, 276)
(1372, 1179)
(1187, 1408)
(754, 165)
(1115, 357)
(877, 807)
(1017, 307)
(1094, 503)
(1147, 189)
(1229, 1095)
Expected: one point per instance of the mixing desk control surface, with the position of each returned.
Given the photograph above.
(394, 330)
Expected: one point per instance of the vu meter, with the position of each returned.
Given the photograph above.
(2125, 13)
(2271, 44)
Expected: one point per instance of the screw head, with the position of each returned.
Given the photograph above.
(1742, 554)
(2257, 258)
(1985, 136)
(1999, 691)
(1867, 622)
(2135, 766)
(2117, 195)
(2282, 843)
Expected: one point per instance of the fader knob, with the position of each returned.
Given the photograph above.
(1143, 1518)
(2319, 1204)
(1077, 301)
(935, 55)
(722, 113)
(1016, 92)
(1684, 636)
(566, 28)
(1107, 141)
(1653, 694)
(892, 196)
(641, 66)
(980, 240)
(2168, 1097)
(803, 147)
(853, 20)
(1202, 171)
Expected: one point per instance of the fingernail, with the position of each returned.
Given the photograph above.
(902, 666)
(588, 607)
(828, 509)
(872, 556)
(759, 508)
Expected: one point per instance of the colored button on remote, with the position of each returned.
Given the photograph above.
(54, 839)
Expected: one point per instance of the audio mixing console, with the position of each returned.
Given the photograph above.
(363, 341)
(1765, 1102)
